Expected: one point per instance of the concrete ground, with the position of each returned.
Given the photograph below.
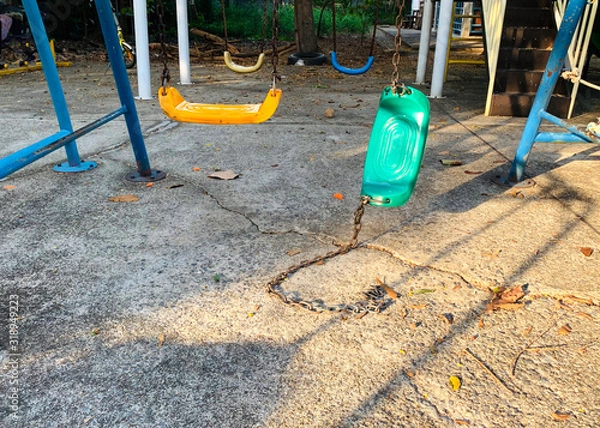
(153, 313)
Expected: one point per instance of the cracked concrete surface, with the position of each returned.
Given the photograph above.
(154, 313)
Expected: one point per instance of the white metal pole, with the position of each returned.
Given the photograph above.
(441, 49)
(424, 42)
(184, 43)
(142, 50)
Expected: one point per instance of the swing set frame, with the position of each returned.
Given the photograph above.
(66, 136)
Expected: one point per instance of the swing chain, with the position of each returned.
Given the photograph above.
(264, 26)
(396, 85)
(275, 37)
(375, 298)
(166, 76)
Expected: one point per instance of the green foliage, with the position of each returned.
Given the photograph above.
(246, 22)
(286, 22)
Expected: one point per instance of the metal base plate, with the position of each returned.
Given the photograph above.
(503, 181)
(82, 167)
(155, 175)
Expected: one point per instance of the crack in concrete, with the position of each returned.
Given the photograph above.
(244, 215)
(396, 256)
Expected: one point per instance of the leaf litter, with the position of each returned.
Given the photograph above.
(124, 198)
(228, 174)
(507, 299)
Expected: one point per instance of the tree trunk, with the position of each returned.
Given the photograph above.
(306, 38)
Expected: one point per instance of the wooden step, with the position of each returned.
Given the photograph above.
(519, 104)
(529, 3)
(528, 38)
(523, 59)
(529, 17)
(524, 81)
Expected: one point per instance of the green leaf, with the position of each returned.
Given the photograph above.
(423, 291)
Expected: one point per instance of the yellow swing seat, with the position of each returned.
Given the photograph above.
(243, 68)
(178, 109)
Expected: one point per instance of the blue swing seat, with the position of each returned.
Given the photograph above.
(352, 71)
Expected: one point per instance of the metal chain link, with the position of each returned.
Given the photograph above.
(225, 39)
(396, 57)
(275, 56)
(166, 76)
(264, 26)
(375, 298)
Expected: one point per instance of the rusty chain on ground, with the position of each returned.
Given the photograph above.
(375, 298)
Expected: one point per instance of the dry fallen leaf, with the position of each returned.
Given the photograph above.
(455, 383)
(329, 113)
(461, 422)
(421, 306)
(587, 251)
(403, 313)
(389, 290)
(507, 299)
(560, 416)
(124, 198)
(565, 330)
(447, 318)
(293, 252)
(473, 172)
(585, 315)
(527, 331)
(228, 174)
(562, 305)
(450, 162)
(480, 324)
(493, 254)
(576, 299)
(410, 373)
(512, 295)
(161, 340)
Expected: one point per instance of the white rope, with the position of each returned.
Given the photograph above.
(573, 75)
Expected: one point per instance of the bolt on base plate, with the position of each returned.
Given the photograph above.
(154, 175)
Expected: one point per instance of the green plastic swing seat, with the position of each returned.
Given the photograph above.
(396, 147)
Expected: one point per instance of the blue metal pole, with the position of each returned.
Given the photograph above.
(542, 98)
(115, 55)
(25, 156)
(42, 43)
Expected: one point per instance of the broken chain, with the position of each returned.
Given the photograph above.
(375, 298)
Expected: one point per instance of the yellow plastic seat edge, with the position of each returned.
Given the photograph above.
(176, 108)
(241, 68)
